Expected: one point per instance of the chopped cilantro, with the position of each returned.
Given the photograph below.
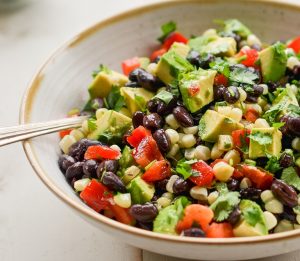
(290, 176)
(272, 114)
(295, 110)
(224, 205)
(273, 165)
(234, 26)
(165, 96)
(166, 29)
(261, 138)
(243, 76)
(184, 168)
(252, 215)
(114, 99)
(102, 68)
(220, 66)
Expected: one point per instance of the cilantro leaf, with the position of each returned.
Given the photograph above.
(295, 110)
(166, 29)
(184, 168)
(243, 76)
(234, 26)
(272, 114)
(224, 205)
(221, 187)
(261, 138)
(114, 99)
(165, 96)
(273, 164)
(102, 68)
(92, 124)
(220, 66)
(290, 176)
(252, 213)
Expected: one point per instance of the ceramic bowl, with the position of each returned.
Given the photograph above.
(61, 84)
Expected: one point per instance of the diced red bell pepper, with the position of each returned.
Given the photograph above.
(219, 230)
(137, 135)
(146, 152)
(96, 196)
(237, 174)
(121, 214)
(216, 162)
(261, 179)
(159, 170)
(172, 38)
(251, 56)
(295, 44)
(157, 53)
(220, 79)
(206, 174)
(251, 115)
(99, 152)
(130, 64)
(240, 137)
(195, 213)
(63, 133)
(193, 89)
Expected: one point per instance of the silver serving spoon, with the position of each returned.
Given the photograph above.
(13, 134)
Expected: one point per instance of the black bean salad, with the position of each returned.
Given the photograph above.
(202, 139)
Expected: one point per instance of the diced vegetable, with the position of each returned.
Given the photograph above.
(219, 230)
(137, 135)
(101, 152)
(130, 64)
(203, 175)
(157, 171)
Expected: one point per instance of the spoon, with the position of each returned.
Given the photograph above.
(13, 134)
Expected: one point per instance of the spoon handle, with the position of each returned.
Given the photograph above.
(13, 134)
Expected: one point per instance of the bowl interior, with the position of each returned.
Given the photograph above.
(62, 82)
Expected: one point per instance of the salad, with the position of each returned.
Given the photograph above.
(201, 139)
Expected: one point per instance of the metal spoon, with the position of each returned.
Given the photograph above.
(13, 134)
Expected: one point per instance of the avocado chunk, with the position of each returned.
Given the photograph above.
(181, 49)
(170, 65)
(273, 61)
(167, 218)
(196, 88)
(252, 221)
(264, 141)
(214, 44)
(213, 124)
(111, 127)
(141, 192)
(104, 81)
(136, 98)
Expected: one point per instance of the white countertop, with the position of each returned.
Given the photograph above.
(35, 225)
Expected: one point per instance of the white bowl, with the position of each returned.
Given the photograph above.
(61, 84)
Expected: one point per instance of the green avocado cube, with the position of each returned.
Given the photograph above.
(141, 191)
(196, 88)
(181, 49)
(213, 124)
(136, 98)
(258, 147)
(104, 81)
(170, 65)
(111, 127)
(273, 61)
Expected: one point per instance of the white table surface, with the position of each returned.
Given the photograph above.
(35, 225)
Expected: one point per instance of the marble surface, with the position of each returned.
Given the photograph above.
(35, 225)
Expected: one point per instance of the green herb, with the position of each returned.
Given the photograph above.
(125, 161)
(253, 215)
(224, 205)
(272, 114)
(290, 176)
(234, 26)
(261, 138)
(295, 110)
(220, 66)
(165, 96)
(278, 125)
(243, 75)
(166, 29)
(102, 68)
(114, 100)
(221, 187)
(184, 168)
(279, 54)
(92, 124)
(273, 164)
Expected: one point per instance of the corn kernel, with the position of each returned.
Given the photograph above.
(274, 206)
(223, 171)
(232, 156)
(271, 220)
(212, 197)
(199, 193)
(202, 153)
(173, 135)
(215, 152)
(170, 119)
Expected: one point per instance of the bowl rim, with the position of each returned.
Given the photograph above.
(25, 113)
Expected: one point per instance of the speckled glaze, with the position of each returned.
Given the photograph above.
(62, 82)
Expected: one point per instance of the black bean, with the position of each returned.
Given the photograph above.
(257, 90)
(144, 213)
(75, 171)
(113, 182)
(144, 225)
(132, 84)
(133, 74)
(231, 94)
(256, 47)
(285, 193)
(161, 185)
(152, 105)
(90, 168)
(148, 81)
(284, 129)
(180, 186)
(197, 117)
(65, 161)
(107, 165)
(293, 124)
(137, 119)
(153, 121)
(234, 216)
(183, 117)
(157, 59)
(198, 60)
(251, 99)
(219, 92)
(296, 72)
(193, 57)
(193, 232)
(272, 86)
(251, 193)
(233, 184)
(286, 160)
(165, 109)
(78, 149)
(261, 162)
(162, 140)
(289, 214)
